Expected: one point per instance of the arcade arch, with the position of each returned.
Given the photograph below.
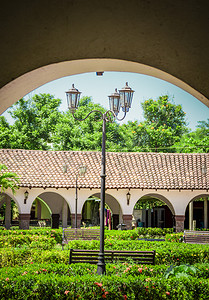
(9, 210)
(145, 37)
(90, 211)
(21, 86)
(154, 210)
(197, 213)
(57, 204)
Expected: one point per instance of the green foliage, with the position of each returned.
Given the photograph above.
(39, 125)
(152, 231)
(196, 141)
(28, 271)
(38, 281)
(35, 121)
(32, 241)
(174, 237)
(48, 232)
(71, 134)
(180, 271)
(148, 203)
(164, 125)
(8, 179)
(5, 133)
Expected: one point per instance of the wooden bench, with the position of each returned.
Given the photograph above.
(91, 256)
(196, 237)
(70, 234)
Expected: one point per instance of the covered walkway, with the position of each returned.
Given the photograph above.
(176, 179)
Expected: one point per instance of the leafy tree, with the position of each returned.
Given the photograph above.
(6, 136)
(35, 120)
(196, 141)
(8, 179)
(163, 126)
(39, 125)
(148, 203)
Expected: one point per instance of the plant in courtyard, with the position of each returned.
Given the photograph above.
(8, 179)
(180, 271)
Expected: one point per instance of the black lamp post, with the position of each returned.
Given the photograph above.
(81, 172)
(122, 99)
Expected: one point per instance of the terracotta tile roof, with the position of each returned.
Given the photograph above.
(124, 170)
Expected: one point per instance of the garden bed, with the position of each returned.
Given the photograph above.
(33, 266)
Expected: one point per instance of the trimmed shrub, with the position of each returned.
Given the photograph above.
(166, 253)
(52, 233)
(31, 241)
(47, 285)
(174, 237)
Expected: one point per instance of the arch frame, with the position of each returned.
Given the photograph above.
(161, 198)
(12, 196)
(24, 84)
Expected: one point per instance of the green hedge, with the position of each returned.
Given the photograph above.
(31, 241)
(109, 234)
(166, 253)
(39, 282)
(121, 269)
(52, 233)
(140, 232)
(174, 237)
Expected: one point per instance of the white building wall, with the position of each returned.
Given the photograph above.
(177, 200)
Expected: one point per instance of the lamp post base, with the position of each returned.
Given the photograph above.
(101, 269)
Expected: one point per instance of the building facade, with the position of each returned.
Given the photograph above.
(175, 179)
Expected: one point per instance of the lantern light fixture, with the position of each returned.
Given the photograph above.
(126, 96)
(26, 196)
(73, 97)
(128, 197)
(114, 102)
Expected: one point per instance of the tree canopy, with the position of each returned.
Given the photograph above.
(34, 122)
(39, 125)
(163, 126)
(196, 141)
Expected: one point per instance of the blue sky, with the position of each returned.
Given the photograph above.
(99, 87)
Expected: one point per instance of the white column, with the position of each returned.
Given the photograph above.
(191, 215)
(64, 214)
(8, 213)
(205, 212)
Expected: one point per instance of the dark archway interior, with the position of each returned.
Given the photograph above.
(153, 212)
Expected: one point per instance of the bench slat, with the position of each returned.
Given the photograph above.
(70, 234)
(91, 256)
(201, 237)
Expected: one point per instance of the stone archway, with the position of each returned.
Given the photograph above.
(11, 210)
(115, 209)
(197, 213)
(154, 210)
(24, 84)
(59, 208)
